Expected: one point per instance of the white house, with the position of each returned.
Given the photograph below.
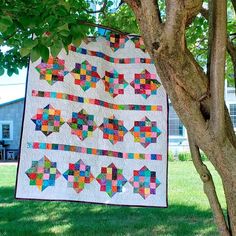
(178, 140)
(10, 128)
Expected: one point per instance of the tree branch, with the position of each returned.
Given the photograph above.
(217, 67)
(205, 13)
(150, 25)
(234, 4)
(180, 14)
(209, 187)
(102, 26)
(208, 16)
(193, 9)
(231, 48)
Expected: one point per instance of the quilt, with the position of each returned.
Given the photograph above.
(95, 126)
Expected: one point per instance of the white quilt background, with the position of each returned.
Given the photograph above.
(91, 191)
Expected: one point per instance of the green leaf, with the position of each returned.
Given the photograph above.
(29, 43)
(76, 41)
(35, 54)
(16, 71)
(10, 72)
(64, 33)
(65, 4)
(76, 30)
(10, 30)
(63, 27)
(44, 52)
(1, 71)
(5, 23)
(30, 21)
(1, 41)
(56, 48)
(51, 20)
(24, 52)
(3, 27)
(7, 20)
(61, 10)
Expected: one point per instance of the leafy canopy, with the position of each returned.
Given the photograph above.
(57, 23)
(54, 24)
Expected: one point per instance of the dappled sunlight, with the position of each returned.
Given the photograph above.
(188, 212)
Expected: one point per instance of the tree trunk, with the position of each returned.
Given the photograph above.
(195, 115)
(188, 88)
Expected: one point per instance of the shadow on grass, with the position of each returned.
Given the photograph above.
(61, 218)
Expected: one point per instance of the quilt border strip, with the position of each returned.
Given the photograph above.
(114, 60)
(93, 151)
(97, 102)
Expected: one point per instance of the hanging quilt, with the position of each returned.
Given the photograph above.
(95, 126)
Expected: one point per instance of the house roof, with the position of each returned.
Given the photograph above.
(11, 102)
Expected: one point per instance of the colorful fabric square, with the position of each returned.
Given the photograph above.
(52, 71)
(85, 75)
(82, 124)
(114, 83)
(145, 84)
(145, 132)
(138, 42)
(116, 41)
(43, 173)
(145, 182)
(78, 175)
(113, 129)
(111, 180)
(48, 120)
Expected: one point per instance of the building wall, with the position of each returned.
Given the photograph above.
(13, 112)
(179, 143)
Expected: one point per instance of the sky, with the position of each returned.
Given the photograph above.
(13, 87)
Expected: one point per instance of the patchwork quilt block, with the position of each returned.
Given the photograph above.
(52, 71)
(78, 175)
(113, 129)
(95, 126)
(82, 124)
(85, 75)
(48, 120)
(43, 173)
(111, 180)
(114, 83)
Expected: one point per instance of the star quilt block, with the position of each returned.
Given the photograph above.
(78, 175)
(53, 70)
(85, 75)
(145, 84)
(43, 173)
(111, 180)
(144, 182)
(48, 120)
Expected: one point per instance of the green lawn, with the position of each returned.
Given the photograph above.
(188, 212)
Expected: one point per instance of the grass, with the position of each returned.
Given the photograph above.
(188, 213)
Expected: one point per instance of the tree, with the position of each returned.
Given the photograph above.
(195, 84)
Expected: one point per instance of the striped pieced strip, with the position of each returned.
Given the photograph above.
(93, 151)
(92, 101)
(111, 59)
